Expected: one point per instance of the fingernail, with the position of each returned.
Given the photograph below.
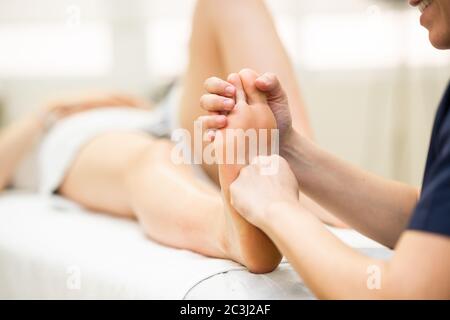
(229, 90)
(266, 80)
(228, 104)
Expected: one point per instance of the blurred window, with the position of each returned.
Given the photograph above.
(167, 45)
(46, 49)
(371, 40)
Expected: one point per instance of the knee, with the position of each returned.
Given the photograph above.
(219, 8)
(154, 151)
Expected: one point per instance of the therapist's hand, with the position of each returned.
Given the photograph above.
(268, 180)
(220, 99)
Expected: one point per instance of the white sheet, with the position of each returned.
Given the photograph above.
(46, 247)
(282, 284)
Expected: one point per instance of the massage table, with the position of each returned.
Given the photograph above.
(51, 248)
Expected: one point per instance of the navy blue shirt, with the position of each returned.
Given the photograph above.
(432, 213)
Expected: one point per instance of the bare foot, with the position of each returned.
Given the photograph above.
(244, 242)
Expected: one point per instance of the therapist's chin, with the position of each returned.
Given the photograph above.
(438, 33)
(440, 40)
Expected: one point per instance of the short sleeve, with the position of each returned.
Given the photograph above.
(432, 213)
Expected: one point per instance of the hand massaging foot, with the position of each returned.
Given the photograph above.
(244, 242)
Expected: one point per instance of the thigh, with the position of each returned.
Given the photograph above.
(204, 62)
(226, 37)
(96, 179)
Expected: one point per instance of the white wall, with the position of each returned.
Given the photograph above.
(370, 78)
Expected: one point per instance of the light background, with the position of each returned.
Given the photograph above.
(371, 80)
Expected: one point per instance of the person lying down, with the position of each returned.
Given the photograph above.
(110, 159)
(107, 154)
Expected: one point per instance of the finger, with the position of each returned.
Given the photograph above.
(214, 102)
(132, 101)
(63, 110)
(261, 161)
(213, 121)
(270, 84)
(271, 166)
(246, 172)
(235, 80)
(220, 87)
(125, 99)
(267, 82)
(248, 78)
(60, 113)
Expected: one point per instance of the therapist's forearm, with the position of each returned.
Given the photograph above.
(377, 207)
(15, 141)
(328, 267)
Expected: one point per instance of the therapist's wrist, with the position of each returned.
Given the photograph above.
(277, 213)
(289, 142)
(298, 151)
(281, 216)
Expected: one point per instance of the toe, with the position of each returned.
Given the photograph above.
(248, 78)
(235, 80)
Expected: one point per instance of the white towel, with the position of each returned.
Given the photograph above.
(44, 251)
(48, 244)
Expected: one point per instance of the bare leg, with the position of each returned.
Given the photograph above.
(138, 179)
(131, 175)
(228, 36)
